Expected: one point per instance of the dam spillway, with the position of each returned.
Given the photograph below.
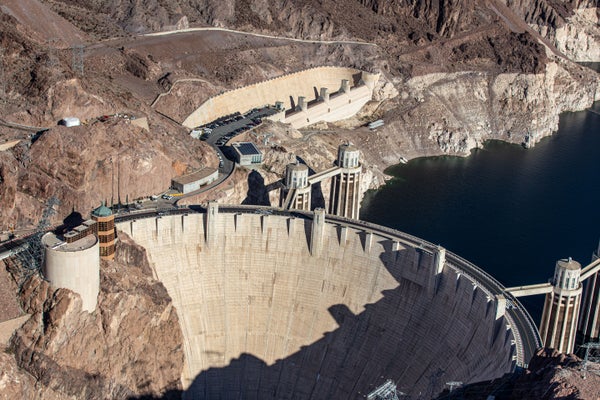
(269, 311)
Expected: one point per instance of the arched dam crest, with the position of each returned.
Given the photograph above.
(316, 326)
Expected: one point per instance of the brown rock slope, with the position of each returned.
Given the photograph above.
(130, 346)
(549, 376)
(85, 165)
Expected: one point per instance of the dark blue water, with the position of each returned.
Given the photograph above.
(511, 211)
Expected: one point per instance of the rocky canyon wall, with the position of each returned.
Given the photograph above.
(572, 26)
(130, 346)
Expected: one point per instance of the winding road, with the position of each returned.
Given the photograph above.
(212, 28)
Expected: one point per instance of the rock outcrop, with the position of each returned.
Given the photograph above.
(128, 347)
(552, 375)
(572, 26)
(85, 165)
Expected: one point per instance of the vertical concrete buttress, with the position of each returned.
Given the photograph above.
(317, 232)
(302, 104)
(500, 306)
(345, 86)
(212, 214)
(440, 259)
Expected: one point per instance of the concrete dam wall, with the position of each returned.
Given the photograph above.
(287, 89)
(272, 308)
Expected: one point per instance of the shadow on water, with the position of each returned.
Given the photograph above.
(385, 341)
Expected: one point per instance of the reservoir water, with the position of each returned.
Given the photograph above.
(511, 211)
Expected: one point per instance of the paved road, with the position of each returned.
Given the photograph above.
(212, 28)
(22, 127)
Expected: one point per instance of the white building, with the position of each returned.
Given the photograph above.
(246, 153)
(194, 181)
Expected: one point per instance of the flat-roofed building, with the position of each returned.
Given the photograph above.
(246, 153)
(194, 181)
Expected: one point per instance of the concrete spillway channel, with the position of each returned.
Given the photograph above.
(278, 305)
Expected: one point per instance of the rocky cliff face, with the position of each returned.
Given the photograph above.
(128, 347)
(572, 26)
(86, 165)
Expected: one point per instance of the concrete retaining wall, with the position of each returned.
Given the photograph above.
(263, 318)
(285, 88)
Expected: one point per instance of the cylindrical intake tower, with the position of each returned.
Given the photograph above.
(74, 266)
(561, 308)
(345, 187)
(296, 188)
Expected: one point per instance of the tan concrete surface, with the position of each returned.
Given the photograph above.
(9, 145)
(302, 83)
(7, 328)
(75, 266)
(263, 318)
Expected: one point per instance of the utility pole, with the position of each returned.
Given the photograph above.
(2, 76)
(52, 58)
(592, 354)
(78, 55)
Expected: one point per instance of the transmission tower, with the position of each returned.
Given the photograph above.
(32, 255)
(387, 391)
(77, 51)
(52, 60)
(2, 77)
(592, 354)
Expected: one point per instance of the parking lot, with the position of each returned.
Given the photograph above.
(221, 131)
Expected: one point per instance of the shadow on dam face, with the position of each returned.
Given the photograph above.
(393, 319)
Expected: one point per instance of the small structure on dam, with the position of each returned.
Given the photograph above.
(279, 305)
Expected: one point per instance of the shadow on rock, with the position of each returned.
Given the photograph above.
(258, 194)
